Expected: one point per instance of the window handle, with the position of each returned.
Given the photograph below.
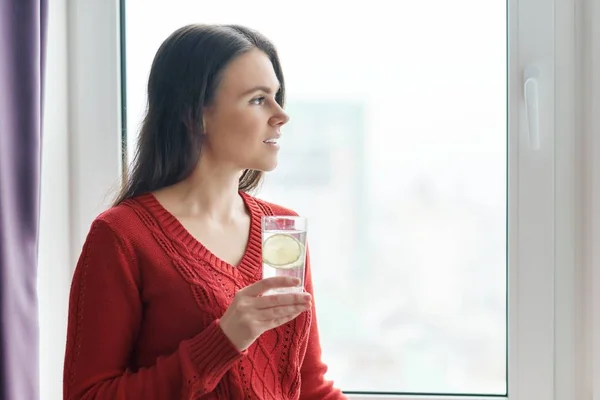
(532, 110)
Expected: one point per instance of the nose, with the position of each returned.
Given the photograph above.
(279, 118)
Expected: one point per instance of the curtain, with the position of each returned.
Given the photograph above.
(22, 55)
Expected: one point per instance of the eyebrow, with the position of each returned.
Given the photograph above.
(261, 88)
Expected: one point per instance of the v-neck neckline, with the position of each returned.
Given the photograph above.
(251, 262)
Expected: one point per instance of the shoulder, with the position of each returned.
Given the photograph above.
(275, 208)
(110, 247)
(118, 230)
(118, 217)
(122, 222)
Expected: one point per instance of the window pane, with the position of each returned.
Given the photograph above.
(397, 153)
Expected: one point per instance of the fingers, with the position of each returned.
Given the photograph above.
(260, 287)
(283, 320)
(278, 300)
(283, 312)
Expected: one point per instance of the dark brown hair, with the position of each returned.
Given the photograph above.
(184, 78)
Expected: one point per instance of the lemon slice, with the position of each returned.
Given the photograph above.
(282, 251)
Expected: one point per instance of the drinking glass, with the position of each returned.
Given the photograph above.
(284, 249)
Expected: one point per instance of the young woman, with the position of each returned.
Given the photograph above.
(166, 298)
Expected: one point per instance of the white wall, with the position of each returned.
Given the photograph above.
(77, 139)
(94, 111)
(53, 271)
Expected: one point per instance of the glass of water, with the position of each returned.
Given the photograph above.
(284, 249)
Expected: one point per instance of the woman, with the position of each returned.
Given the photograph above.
(166, 297)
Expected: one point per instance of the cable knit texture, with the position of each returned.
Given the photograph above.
(145, 302)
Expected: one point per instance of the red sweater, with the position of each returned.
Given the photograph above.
(145, 302)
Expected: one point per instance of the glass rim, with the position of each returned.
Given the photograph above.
(275, 217)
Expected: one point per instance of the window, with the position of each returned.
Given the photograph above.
(397, 153)
(427, 202)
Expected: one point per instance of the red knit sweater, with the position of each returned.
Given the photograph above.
(145, 302)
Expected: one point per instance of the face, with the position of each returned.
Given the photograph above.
(244, 122)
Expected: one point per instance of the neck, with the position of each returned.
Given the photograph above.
(209, 192)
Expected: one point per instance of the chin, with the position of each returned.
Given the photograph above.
(268, 168)
(265, 167)
(266, 163)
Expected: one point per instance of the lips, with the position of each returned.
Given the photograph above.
(274, 139)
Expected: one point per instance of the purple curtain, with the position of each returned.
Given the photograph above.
(22, 54)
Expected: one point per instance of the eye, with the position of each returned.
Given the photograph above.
(259, 101)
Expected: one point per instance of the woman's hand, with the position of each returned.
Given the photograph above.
(251, 314)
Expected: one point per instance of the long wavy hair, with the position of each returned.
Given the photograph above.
(184, 78)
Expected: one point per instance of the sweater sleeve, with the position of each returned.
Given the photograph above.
(314, 385)
(105, 313)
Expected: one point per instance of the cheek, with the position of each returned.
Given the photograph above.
(247, 126)
(240, 132)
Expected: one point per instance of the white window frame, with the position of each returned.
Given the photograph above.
(588, 106)
(554, 345)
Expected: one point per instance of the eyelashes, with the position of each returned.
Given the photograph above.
(262, 99)
(259, 101)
